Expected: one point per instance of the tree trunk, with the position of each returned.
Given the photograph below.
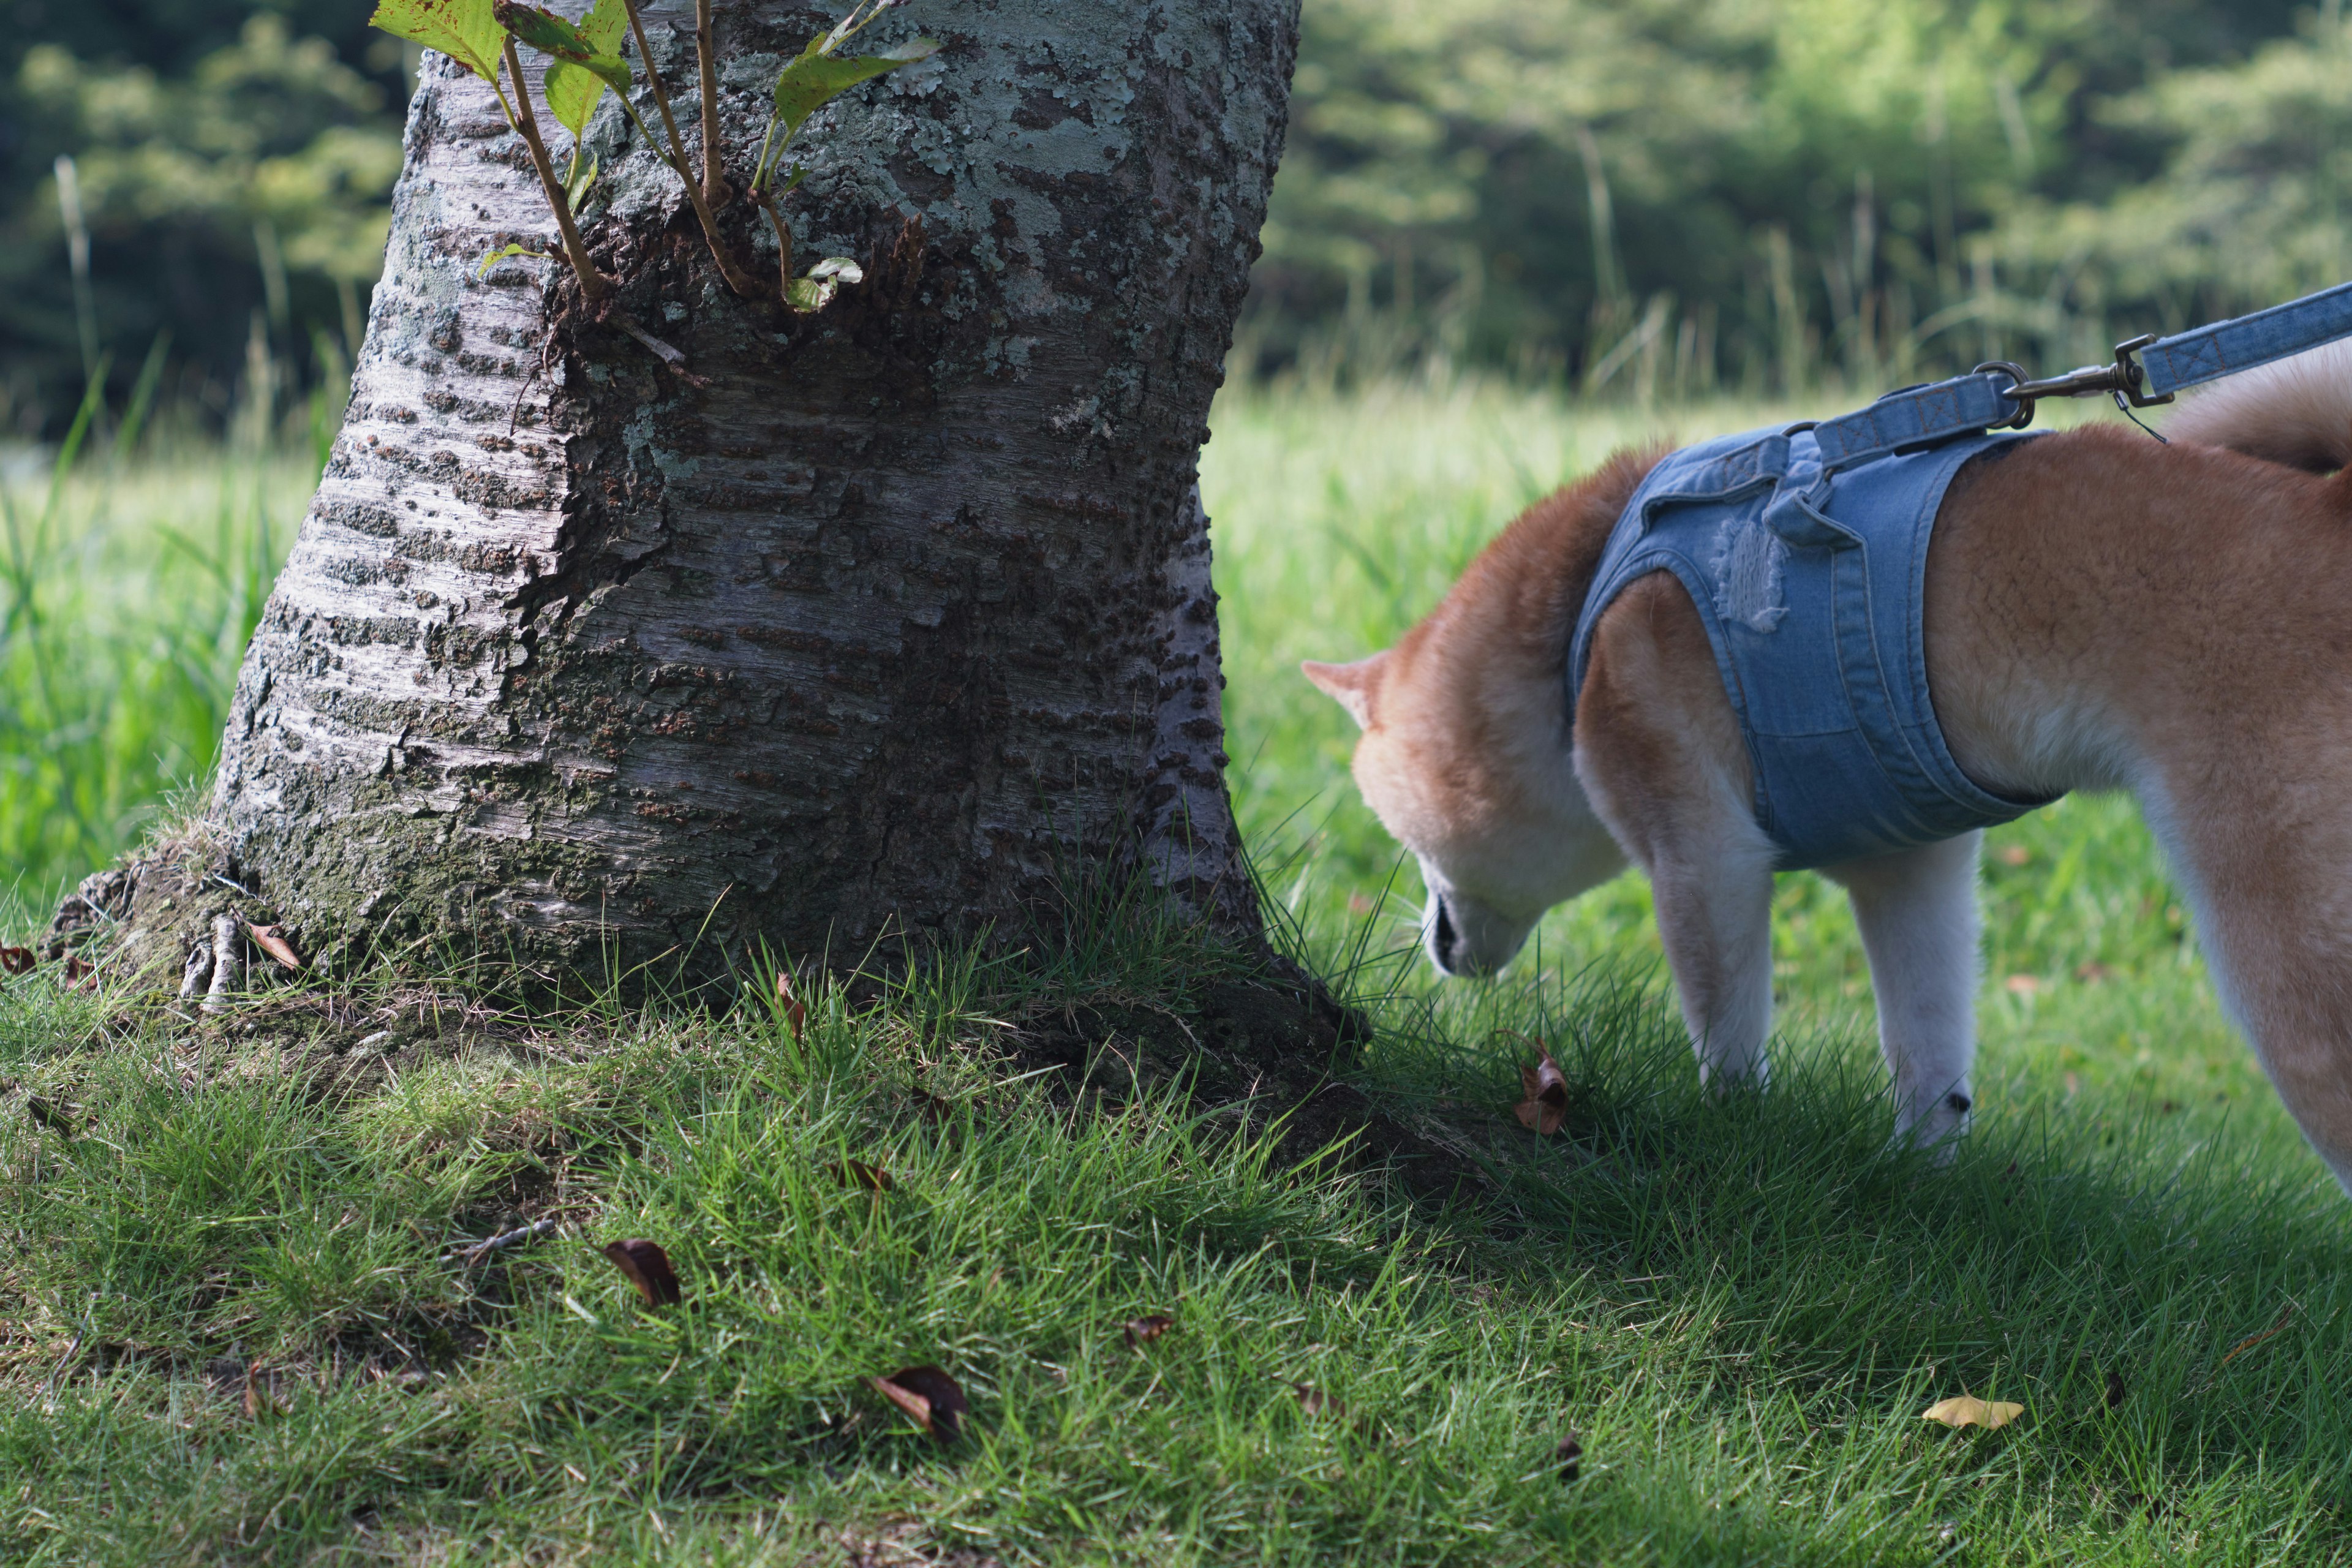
(886, 621)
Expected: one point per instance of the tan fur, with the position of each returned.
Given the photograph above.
(2102, 612)
(2292, 412)
(1465, 754)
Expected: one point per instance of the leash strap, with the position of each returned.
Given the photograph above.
(1919, 416)
(1996, 396)
(2188, 359)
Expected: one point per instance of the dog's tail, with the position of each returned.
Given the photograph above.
(2298, 412)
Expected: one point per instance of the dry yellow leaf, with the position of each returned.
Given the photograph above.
(1968, 1410)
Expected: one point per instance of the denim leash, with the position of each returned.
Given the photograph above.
(1999, 395)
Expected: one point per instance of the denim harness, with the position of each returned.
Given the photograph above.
(1806, 552)
(1810, 584)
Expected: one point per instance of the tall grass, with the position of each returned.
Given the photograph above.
(133, 573)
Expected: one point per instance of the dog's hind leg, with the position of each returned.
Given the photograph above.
(1658, 749)
(1917, 914)
(2271, 878)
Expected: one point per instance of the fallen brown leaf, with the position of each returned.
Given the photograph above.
(648, 1266)
(80, 973)
(2115, 1388)
(2012, 854)
(858, 1173)
(53, 1116)
(271, 941)
(1567, 1455)
(796, 1011)
(1144, 1330)
(1968, 1410)
(932, 1399)
(1545, 1105)
(2023, 984)
(16, 959)
(1315, 1402)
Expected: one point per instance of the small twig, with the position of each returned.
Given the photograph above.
(470, 1256)
(784, 239)
(737, 278)
(196, 970)
(224, 964)
(63, 1361)
(593, 283)
(714, 183)
(2278, 1327)
(661, 351)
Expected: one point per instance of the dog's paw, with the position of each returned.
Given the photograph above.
(1937, 1126)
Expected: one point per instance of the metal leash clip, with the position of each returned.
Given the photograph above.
(2122, 379)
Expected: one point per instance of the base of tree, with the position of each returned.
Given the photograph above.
(1263, 1046)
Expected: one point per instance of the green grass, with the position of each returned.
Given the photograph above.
(127, 592)
(1740, 1307)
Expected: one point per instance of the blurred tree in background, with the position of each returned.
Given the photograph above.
(231, 164)
(1672, 196)
(1642, 197)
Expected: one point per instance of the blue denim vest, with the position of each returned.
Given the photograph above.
(1810, 588)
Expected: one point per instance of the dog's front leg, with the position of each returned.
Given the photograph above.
(1714, 895)
(1658, 750)
(1917, 914)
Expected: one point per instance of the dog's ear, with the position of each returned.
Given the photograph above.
(1354, 687)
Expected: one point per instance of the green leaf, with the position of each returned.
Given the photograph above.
(579, 179)
(465, 30)
(495, 257)
(812, 80)
(544, 30)
(573, 91)
(815, 291)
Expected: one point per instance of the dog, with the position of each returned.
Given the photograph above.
(2100, 612)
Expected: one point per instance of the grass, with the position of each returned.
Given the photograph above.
(1738, 1308)
(127, 589)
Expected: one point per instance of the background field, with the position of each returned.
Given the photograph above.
(225, 1337)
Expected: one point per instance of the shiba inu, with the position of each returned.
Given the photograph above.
(2097, 611)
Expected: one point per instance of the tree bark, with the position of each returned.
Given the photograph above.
(887, 622)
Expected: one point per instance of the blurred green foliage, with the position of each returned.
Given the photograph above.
(1660, 196)
(232, 168)
(1643, 198)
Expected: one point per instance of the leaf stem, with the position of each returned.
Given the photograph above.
(783, 240)
(737, 278)
(593, 283)
(706, 51)
(759, 164)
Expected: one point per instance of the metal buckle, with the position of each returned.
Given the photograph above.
(2018, 388)
(2129, 373)
(2122, 379)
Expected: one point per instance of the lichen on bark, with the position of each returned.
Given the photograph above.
(884, 623)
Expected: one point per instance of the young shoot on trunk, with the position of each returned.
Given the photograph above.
(585, 58)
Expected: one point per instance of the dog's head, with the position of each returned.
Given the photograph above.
(1478, 786)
